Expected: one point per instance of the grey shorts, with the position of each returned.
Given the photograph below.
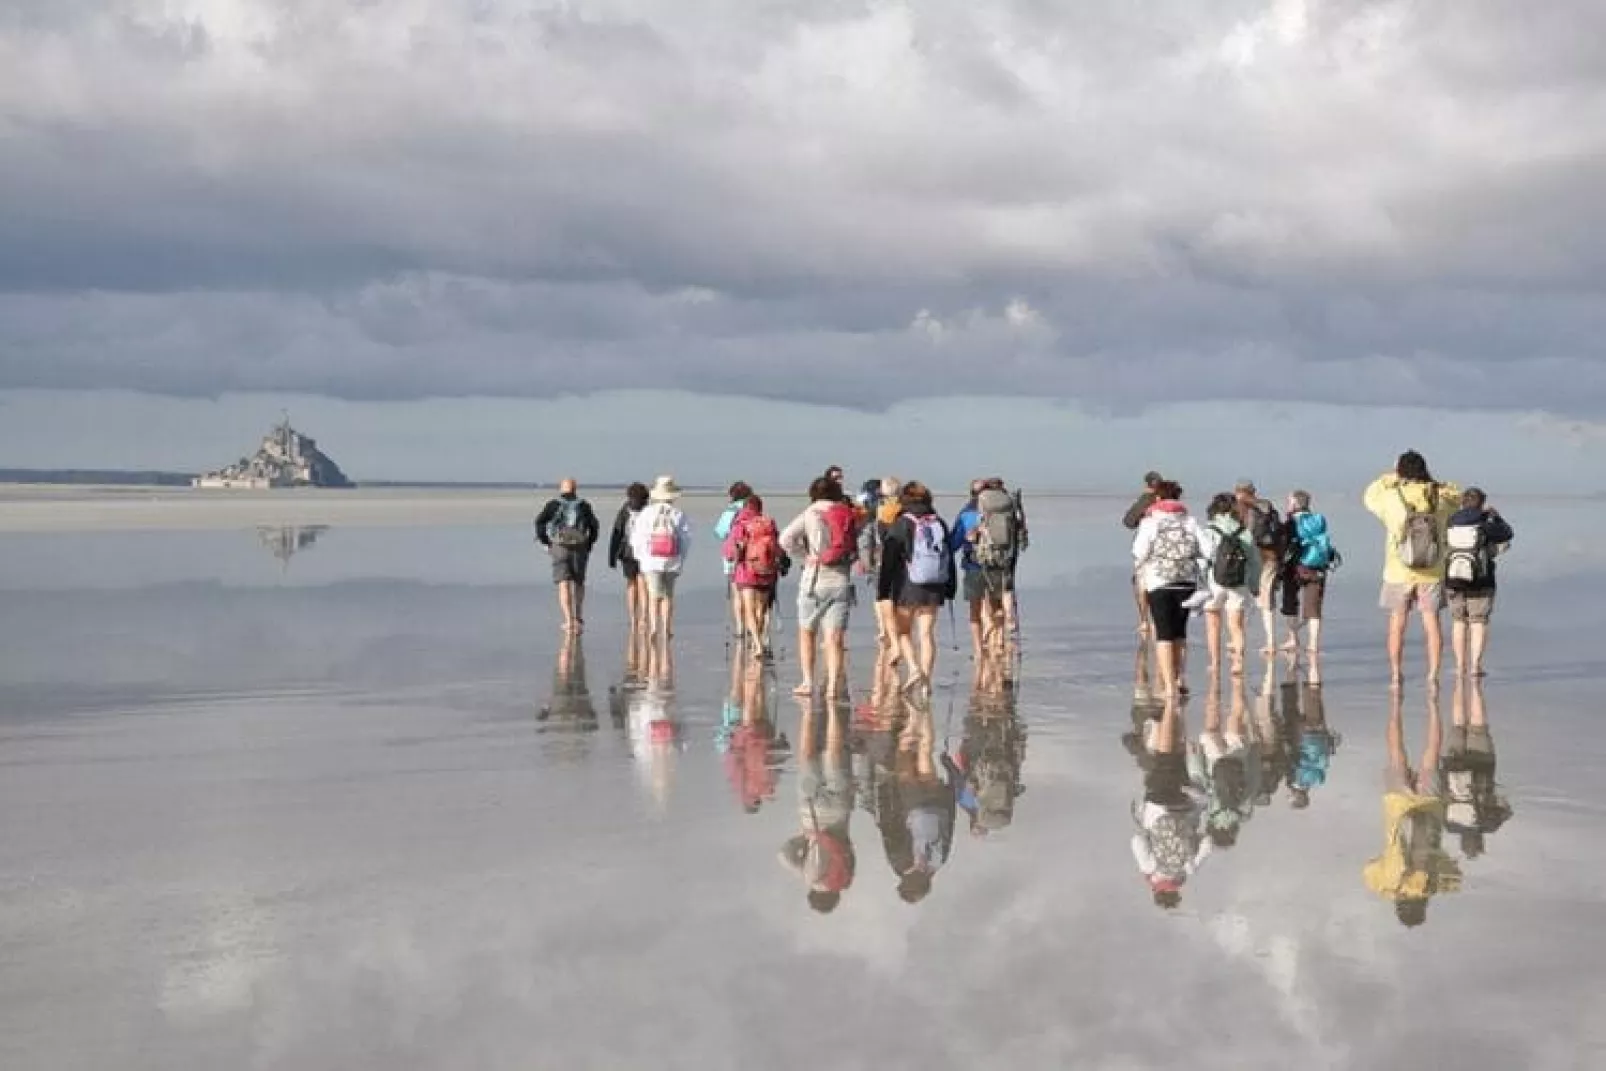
(1403, 598)
(826, 609)
(989, 583)
(569, 565)
(1474, 607)
(661, 585)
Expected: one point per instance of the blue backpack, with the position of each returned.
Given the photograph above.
(1315, 546)
(929, 559)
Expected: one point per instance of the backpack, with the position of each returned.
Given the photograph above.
(1172, 840)
(1466, 566)
(1315, 547)
(996, 530)
(760, 548)
(1417, 545)
(568, 528)
(1267, 532)
(840, 520)
(929, 560)
(627, 548)
(1174, 554)
(1229, 566)
(664, 541)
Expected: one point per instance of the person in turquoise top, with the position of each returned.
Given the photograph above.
(740, 492)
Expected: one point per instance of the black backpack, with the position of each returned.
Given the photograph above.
(1268, 528)
(1229, 566)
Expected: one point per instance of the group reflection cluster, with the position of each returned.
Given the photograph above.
(889, 767)
(917, 775)
(1200, 791)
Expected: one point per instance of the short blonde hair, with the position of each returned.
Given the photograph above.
(890, 486)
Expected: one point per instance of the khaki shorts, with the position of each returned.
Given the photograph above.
(1473, 607)
(661, 585)
(1232, 600)
(987, 583)
(1403, 598)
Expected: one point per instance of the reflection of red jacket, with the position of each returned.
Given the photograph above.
(741, 528)
(748, 767)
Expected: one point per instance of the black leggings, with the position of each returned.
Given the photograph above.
(1169, 615)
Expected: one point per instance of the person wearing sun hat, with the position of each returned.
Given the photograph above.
(661, 539)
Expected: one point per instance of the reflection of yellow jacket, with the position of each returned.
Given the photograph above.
(1384, 499)
(1391, 875)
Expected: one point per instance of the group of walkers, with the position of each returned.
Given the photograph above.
(888, 534)
(1441, 549)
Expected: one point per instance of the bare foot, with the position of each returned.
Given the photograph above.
(804, 689)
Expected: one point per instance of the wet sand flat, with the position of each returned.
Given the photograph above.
(338, 796)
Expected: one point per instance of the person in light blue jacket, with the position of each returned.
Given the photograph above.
(740, 492)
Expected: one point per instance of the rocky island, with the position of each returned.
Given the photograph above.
(286, 458)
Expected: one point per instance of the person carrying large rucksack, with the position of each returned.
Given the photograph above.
(1231, 580)
(1414, 510)
(917, 577)
(985, 536)
(1310, 558)
(567, 527)
(753, 548)
(1169, 557)
(1475, 536)
(825, 537)
(1269, 534)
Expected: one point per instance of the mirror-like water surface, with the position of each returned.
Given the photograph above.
(343, 798)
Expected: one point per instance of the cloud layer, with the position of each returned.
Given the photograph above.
(1367, 202)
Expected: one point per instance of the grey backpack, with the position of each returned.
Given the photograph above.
(995, 531)
(1418, 545)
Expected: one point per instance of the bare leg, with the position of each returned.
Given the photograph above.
(835, 679)
(1396, 645)
(1433, 630)
(978, 627)
(926, 624)
(904, 629)
(669, 617)
(1479, 642)
(1165, 658)
(579, 607)
(1236, 640)
(1213, 639)
(1313, 639)
(1145, 625)
(566, 604)
(807, 659)
(1458, 645)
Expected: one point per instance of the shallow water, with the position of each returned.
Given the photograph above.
(355, 809)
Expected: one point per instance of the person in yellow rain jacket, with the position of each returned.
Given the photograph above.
(1414, 865)
(1415, 510)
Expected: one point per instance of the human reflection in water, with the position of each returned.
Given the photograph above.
(993, 750)
(1146, 706)
(651, 725)
(1308, 742)
(1475, 807)
(1414, 865)
(632, 678)
(1268, 738)
(752, 748)
(915, 808)
(570, 708)
(1221, 765)
(821, 853)
(1169, 844)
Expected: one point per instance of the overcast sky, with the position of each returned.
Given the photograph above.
(851, 203)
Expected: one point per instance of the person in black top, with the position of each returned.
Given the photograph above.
(917, 576)
(1133, 518)
(1477, 535)
(623, 558)
(568, 528)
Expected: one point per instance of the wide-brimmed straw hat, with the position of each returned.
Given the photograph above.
(664, 489)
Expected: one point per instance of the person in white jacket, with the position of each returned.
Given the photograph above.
(1168, 554)
(661, 538)
(1169, 844)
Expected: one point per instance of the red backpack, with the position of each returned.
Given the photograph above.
(840, 521)
(761, 548)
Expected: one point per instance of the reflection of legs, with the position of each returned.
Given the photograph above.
(1434, 743)
(1168, 738)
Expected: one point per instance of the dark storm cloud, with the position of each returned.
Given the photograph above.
(1375, 202)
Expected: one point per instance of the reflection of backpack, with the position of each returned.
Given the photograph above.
(1315, 547)
(761, 548)
(929, 561)
(1229, 566)
(1417, 545)
(664, 541)
(1174, 554)
(1466, 566)
(568, 529)
(995, 529)
(1171, 839)
(839, 519)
